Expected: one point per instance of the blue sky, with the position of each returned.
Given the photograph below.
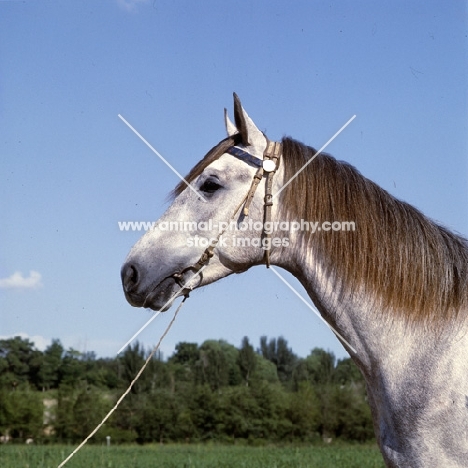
(70, 169)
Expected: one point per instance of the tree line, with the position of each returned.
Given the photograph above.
(213, 391)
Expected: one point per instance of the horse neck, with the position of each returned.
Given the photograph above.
(415, 377)
(326, 292)
(378, 335)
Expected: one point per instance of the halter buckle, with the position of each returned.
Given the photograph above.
(268, 199)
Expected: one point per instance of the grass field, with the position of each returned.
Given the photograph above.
(192, 456)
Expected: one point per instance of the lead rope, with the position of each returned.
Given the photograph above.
(148, 359)
(272, 152)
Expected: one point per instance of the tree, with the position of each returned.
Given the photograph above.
(155, 375)
(158, 416)
(213, 391)
(349, 415)
(213, 365)
(264, 371)
(109, 369)
(347, 372)
(238, 413)
(49, 374)
(204, 409)
(19, 362)
(304, 413)
(89, 409)
(217, 365)
(183, 363)
(80, 409)
(186, 354)
(277, 351)
(132, 360)
(246, 360)
(72, 369)
(270, 421)
(64, 421)
(21, 413)
(318, 368)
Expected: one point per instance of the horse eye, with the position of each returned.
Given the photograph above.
(209, 186)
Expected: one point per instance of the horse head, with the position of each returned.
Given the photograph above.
(214, 226)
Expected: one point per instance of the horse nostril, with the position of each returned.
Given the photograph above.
(130, 277)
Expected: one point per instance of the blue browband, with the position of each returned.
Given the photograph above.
(247, 157)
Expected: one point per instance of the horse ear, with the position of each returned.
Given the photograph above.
(230, 127)
(239, 118)
(250, 134)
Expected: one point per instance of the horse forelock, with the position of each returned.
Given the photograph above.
(408, 265)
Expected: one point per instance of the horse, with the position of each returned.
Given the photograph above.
(395, 288)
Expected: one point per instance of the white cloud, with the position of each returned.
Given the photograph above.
(18, 281)
(39, 341)
(131, 5)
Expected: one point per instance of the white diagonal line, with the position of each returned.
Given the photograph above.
(315, 155)
(138, 332)
(159, 311)
(313, 309)
(189, 185)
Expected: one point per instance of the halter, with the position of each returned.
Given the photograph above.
(268, 165)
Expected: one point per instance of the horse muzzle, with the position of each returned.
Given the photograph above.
(157, 296)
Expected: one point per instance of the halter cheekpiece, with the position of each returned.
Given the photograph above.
(268, 165)
(265, 167)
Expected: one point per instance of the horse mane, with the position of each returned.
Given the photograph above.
(410, 265)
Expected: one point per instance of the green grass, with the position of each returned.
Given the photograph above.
(193, 456)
